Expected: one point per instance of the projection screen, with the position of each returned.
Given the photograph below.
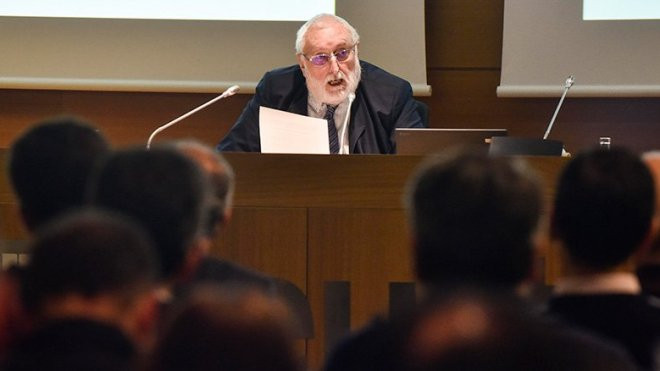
(194, 55)
(545, 41)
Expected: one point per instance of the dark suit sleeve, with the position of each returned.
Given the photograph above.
(407, 114)
(409, 111)
(383, 102)
(244, 135)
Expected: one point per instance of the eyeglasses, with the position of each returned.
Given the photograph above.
(322, 59)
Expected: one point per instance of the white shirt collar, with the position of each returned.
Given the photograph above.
(605, 283)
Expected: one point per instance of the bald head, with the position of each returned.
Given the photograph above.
(220, 174)
(652, 160)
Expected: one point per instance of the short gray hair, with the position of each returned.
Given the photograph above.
(302, 31)
(218, 170)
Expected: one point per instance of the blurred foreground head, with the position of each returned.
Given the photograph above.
(230, 329)
(603, 207)
(164, 191)
(221, 176)
(476, 332)
(50, 165)
(96, 265)
(473, 220)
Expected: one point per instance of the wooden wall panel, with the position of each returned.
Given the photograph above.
(466, 98)
(366, 247)
(129, 118)
(20, 108)
(464, 34)
(11, 224)
(125, 118)
(272, 240)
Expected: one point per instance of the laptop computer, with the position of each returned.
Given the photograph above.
(512, 146)
(425, 141)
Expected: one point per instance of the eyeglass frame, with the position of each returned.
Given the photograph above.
(331, 56)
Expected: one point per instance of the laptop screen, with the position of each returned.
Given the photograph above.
(425, 141)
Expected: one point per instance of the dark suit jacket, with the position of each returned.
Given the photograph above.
(631, 320)
(382, 102)
(77, 344)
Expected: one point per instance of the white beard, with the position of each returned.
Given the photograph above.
(323, 92)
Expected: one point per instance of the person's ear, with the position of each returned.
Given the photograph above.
(146, 320)
(301, 62)
(226, 216)
(198, 250)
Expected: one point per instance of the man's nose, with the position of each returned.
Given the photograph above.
(334, 64)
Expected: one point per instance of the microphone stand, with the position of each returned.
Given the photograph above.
(351, 98)
(227, 93)
(567, 85)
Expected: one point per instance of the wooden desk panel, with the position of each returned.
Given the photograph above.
(355, 233)
(368, 249)
(272, 240)
(320, 180)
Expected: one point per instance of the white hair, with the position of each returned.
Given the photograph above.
(302, 31)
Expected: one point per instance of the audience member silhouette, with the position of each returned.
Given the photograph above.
(222, 179)
(221, 176)
(476, 331)
(214, 270)
(49, 167)
(231, 329)
(171, 196)
(90, 287)
(473, 220)
(601, 219)
(163, 190)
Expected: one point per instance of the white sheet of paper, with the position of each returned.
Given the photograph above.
(286, 132)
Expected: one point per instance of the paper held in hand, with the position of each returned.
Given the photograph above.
(285, 132)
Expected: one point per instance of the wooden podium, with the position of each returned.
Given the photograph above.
(332, 225)
(335, 227)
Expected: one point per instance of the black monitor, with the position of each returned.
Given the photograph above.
(512, 146)
(425, 141)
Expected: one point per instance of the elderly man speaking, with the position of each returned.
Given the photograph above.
(328, 80)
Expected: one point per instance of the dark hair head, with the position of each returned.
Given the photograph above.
(50, 165)
(232, 329)
(473, 219)
(162, 189)
(89, 253)
(603, 206)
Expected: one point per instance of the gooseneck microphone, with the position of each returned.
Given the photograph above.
(351, 98)
(227, 93)
(567, 85)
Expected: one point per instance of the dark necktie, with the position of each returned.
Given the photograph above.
(332, 129)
